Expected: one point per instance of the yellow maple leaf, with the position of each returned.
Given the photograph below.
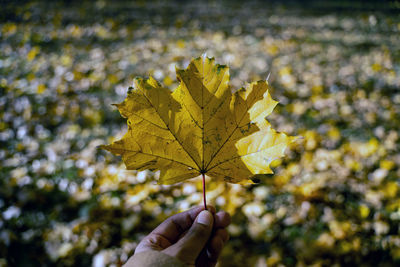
(201, 128)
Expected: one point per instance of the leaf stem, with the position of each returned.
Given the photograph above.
(204, 191)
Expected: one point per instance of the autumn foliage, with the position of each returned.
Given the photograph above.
(334, 198)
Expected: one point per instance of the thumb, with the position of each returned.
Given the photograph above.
(188, 248)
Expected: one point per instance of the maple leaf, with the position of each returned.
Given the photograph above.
(201, 128)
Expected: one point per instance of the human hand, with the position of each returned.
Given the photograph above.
(195, 237)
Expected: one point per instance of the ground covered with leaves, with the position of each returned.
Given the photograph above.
(335, 69)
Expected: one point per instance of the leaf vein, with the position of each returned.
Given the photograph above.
(187, 152)
(157, 156)
(258, 151)
(226, 141)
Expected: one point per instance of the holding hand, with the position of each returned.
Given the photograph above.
(194, 237)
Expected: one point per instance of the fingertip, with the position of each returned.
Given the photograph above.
(222, 219)
(195, 211)
(205, 217)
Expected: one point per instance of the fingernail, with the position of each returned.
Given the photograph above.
(205, 218)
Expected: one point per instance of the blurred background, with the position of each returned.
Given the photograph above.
(334, 67)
